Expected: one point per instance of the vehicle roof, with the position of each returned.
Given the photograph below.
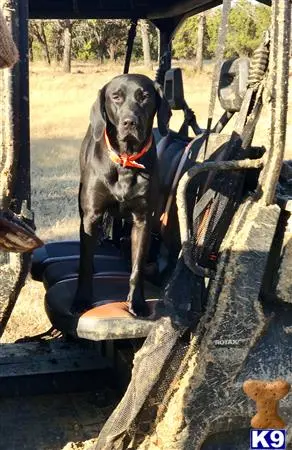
(119, 9)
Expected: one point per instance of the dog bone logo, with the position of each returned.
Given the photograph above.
(267, 395)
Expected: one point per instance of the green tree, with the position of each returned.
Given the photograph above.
(54, 32)
(100, 38)
(247, 23)
(213, 24)
(37, 30)
(88, 39)
(185, 40)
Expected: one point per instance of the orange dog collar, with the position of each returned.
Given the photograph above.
(127, 160)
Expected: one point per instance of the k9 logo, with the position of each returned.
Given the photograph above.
(268, 439)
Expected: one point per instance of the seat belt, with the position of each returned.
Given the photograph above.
(164, 217)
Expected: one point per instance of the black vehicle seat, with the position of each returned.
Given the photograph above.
(102, 320)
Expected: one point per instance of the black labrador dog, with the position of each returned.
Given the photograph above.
(119, 174)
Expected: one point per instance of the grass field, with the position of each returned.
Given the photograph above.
(60, 105)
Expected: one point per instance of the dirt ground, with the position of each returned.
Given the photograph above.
(60, 105)
(52, 422)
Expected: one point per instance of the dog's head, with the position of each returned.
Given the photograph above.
(126, 106)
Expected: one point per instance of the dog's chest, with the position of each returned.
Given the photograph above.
(126, 185)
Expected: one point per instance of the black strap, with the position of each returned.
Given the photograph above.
(190, 120)
(130, 43)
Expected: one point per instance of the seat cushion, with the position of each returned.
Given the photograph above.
(67, 269)
(113, 321)
(114, 310)
(106, 289)
(64, 251)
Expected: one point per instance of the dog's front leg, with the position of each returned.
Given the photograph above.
(139, 238)
(89, 230)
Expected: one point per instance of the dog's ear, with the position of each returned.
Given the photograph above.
(98, 115)
(163, 110)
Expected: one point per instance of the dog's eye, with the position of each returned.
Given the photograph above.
(117, 97)
(145, 95)
(141, 96)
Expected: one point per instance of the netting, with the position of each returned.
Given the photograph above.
(209, 227)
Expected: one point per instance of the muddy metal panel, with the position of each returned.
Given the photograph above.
(15, 152)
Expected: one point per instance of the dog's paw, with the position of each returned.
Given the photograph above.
(138, 308)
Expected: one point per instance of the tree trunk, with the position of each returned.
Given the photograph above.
(145, 42)
(158, 44)
(67, 46)
(111, 52)
(200, 45)
(101, 56)
(59, 46)
(30, 48)
(44, 44)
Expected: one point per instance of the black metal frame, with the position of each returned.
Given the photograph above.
(22, 187)
(149, 9)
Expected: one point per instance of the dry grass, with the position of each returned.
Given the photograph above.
(60, 105)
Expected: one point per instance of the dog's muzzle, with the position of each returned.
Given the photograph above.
(130, 129)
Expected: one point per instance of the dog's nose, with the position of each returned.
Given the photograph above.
(129, 122)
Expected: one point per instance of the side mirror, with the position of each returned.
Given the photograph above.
(173, 89)
(233, 83)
